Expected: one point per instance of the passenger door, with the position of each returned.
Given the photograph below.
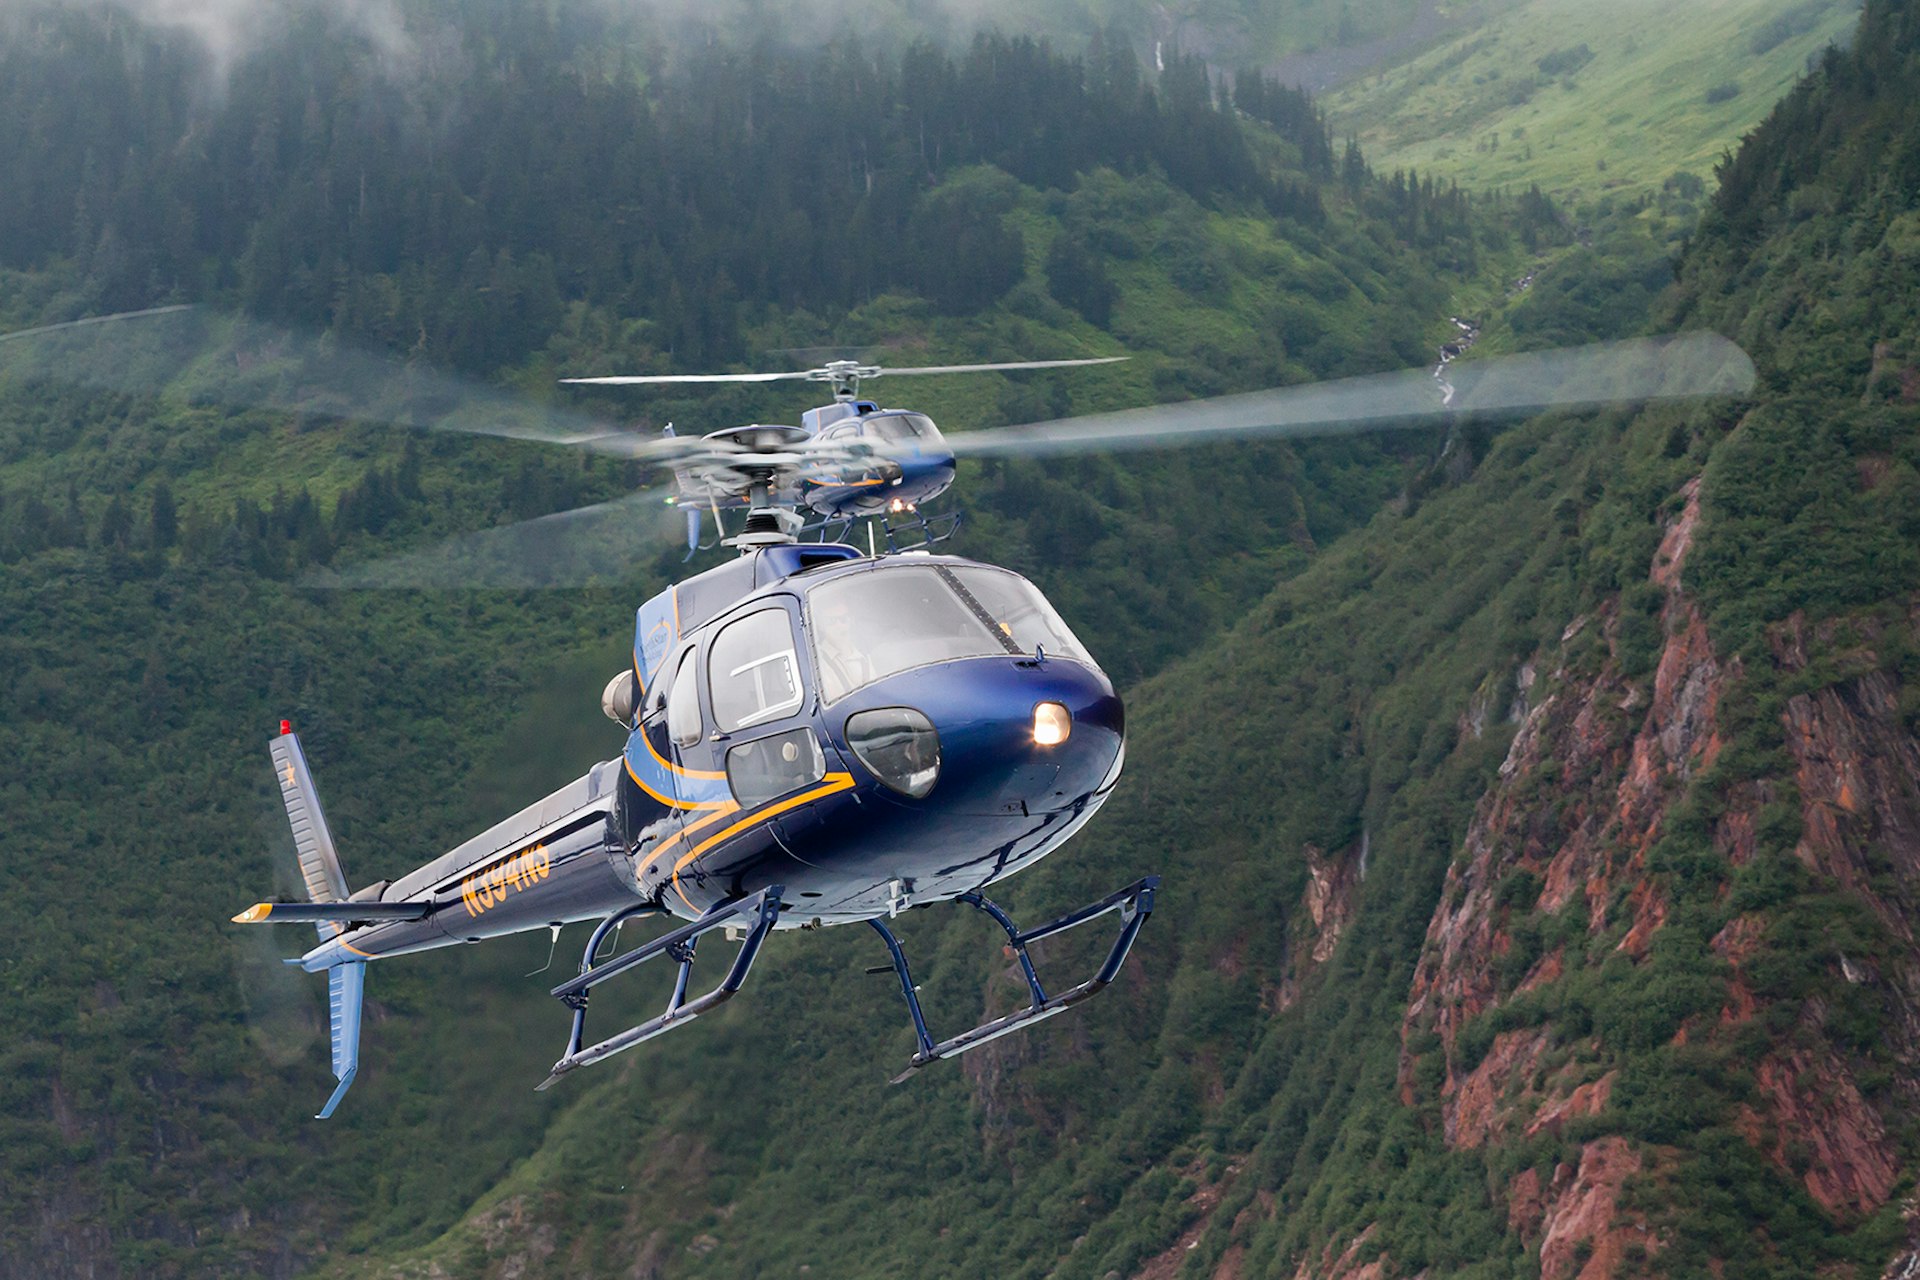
(756, 683)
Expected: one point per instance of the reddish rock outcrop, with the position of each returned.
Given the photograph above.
(1594, 771)
(1345, 1265)
(1589, 1099)
(1581, 797)
(1858, 770)
(1817, 1121)
(1471, 1111)
(1333, 882)
(1583, 1217)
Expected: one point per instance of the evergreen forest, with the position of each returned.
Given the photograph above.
(1538, 801)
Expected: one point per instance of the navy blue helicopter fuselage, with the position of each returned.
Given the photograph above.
(717, 814)
(871, 733)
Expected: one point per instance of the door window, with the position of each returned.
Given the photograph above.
(760, 771)
(754, 671)
(683, 705)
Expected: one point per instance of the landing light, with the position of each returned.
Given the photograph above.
(1051, 724)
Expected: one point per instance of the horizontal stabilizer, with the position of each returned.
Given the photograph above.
(331, 912)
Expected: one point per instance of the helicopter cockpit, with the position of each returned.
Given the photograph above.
(746, 692)
(863, 419)
(870, 625)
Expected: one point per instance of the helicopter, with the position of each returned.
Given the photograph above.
(817, 734)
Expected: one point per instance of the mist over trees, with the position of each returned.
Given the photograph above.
(456, 203)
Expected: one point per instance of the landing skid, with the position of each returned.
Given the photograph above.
(1134, 903)
(756, 914)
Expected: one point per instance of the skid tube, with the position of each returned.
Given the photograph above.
(1134, 903)
(757, 913)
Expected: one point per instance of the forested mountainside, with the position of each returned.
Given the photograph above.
(1540, 846)
(453, 197)
(522, 197)
(1542, 872)
(1543, 857)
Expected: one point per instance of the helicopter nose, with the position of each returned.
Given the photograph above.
(1014, 736)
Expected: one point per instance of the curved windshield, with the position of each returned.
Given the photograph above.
(870, 625)
(902, 428)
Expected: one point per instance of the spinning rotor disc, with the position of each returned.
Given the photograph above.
(189, 354)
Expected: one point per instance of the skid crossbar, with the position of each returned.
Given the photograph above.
(756, 913)
(1134, 903)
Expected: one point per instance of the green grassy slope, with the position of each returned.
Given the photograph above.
(1586, 99)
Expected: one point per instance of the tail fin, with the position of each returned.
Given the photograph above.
(319, 862)
(320, 868)
(346, 984)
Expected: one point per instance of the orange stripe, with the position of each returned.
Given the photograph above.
(357, 951)
(669, 801)
(835, 782)
(673, 768)
(681, 835)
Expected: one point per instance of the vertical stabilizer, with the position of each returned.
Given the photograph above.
(320, 869)
(346, 984)
(319, 862)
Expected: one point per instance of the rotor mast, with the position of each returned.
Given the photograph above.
(844, 377)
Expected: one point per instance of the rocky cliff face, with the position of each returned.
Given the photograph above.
(1569, 868)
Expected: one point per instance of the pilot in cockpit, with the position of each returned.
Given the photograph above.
(836, 644)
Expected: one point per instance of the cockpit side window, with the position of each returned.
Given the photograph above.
(754, 670)
(655, 700)
(683, 704)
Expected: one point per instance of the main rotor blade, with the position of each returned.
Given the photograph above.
(190, 354)
(1014, 364)
(602, 543)
(825, 373)
(636, 380)
(1628, 372)
(116, 317)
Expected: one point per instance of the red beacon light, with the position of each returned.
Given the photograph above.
(286, 727)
